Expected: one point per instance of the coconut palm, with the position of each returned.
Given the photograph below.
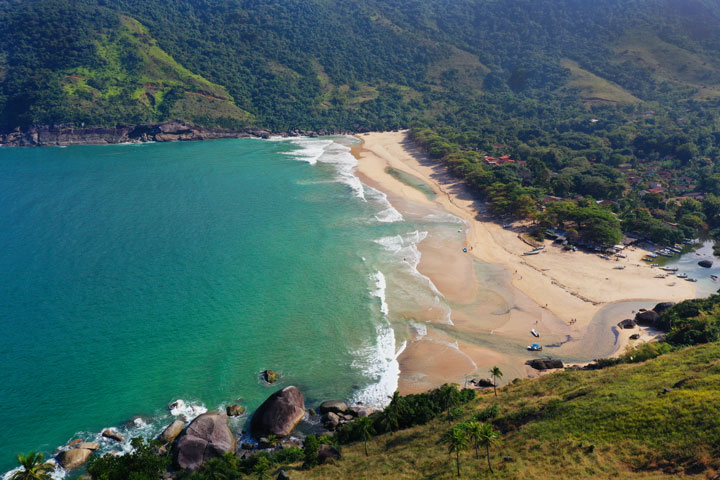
(457, 441)
(365, 430)
(496, 373)
(474, 431)
(390, 419)
(487, 436)
(33, 467)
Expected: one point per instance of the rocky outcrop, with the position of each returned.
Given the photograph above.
(269, 376)
(628, 323)
(327, 453)
(647, 318)
(46, 135)
(207, 437)
(234, 410)
(334, 406)
(331, 421)
(545, 363)
(279, 414)
(172, 431)
(705, 263)
(112, 435)
(482, 382)
(360, 411)
(663, 307)
(635, 336)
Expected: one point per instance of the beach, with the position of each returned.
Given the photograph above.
(556, 292)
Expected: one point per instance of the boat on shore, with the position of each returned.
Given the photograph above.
(534, 347)
(619, 267)
(669, 269)
(535, 333)
(682, 275)
(532, 253)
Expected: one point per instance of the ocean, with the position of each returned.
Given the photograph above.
(137, 275)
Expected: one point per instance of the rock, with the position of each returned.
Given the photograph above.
(635, 336)
(162, 450)
(484, 382)
(207, 437)
(112, 435)
(235, 410)
(75, 442)
(326, 453)
(627, 323)
(334, 406)
(663, 307)
(705, 263)
(282, 475)
(331, 421)
(264, 443)
(647, 318)
(279, 414)
(172, 431)
(270, 377)
(92, 446)
(290, 443)
(247, 446)
(74, 458)
(545, 363)
(138, 421)
(360, 411)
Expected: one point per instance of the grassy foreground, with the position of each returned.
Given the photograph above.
(656, 419)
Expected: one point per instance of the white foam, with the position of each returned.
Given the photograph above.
(388, 214)
(188, 410)
(420, 330)
(379, 292)
(311, 150)
(380, 363)
(57, 474)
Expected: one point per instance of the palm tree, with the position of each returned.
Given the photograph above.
(389, 419)
(496, 373)
(457, 441)
(33, 467)
(365, 429)
(487, 437)
(474, 431)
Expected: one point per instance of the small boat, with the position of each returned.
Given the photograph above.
(648, 259)
(531, 253)
(665, 253)
(682, 275)
(714, 277)
(604, 257)
(654, 264)
(619, 267)
(651, 255)
(669, 269)
(691, 280)
(537, 249)
(534, 347)
(676, 250)
(535, 333)
(621, 255)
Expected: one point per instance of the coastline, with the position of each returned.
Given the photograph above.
(548, 290)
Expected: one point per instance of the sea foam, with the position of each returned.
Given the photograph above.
(379, 292)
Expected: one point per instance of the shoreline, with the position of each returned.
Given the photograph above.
(549, 289)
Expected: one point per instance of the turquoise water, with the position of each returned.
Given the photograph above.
(135, 275)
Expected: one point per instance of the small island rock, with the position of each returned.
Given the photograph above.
(112, 435)
(627, 323)
(705, 263)
(647, 318)
(663, 307)
(279, 414)
(74, 458)
(234, 410)
(207, 437)
(270, 377)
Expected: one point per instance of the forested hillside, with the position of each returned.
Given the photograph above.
(354, 65)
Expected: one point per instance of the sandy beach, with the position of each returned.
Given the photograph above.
(545, 291)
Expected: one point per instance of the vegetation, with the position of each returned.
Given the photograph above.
(142, 464)
(32, 467)
(496, 375)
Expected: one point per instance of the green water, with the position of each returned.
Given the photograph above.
(135, 275)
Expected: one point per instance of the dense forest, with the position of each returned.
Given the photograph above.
(604, 114)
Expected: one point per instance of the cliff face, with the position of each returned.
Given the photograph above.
(45, 135)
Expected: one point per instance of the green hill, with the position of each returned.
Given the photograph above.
(657, 419)
(353, 65)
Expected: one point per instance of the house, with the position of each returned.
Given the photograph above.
(504, 160)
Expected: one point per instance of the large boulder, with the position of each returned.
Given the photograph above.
(663, 307)
(207, 437)
(360, 411)
(484, 382)
(172, 431)
(545, 363)
(647, 318)
(74, 458)
(279, 414)
(331, 421)
(334, 406)
(327, 452)
(705, 263)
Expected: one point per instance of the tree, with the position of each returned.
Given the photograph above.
(365, 430)
(142, 464)
(457, 441)
(474, 432)
(310, 449)
(262, 467)
(496, 373)
(487, 436)
(33, 467)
